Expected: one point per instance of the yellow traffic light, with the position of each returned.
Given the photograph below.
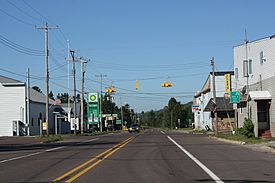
(166, 84)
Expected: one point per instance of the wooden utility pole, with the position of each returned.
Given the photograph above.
(82, 62)
(46, 29)
(215, 119)
(100, 110)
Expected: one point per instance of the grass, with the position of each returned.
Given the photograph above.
(241, 138)
(51, 138)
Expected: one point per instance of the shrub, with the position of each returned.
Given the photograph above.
(248, 128)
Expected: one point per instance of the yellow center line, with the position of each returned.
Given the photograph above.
(97, 162)
(87, 162)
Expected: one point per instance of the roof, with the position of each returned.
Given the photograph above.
(206, 87)
(9, 81)
(256, 40)
(223, 104)
(259, 95)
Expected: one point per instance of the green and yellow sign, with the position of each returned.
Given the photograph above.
(93, 108)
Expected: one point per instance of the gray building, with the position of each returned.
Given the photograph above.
(254, 65)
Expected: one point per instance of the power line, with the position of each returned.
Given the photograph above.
(23, 12)
(17, 19)
(19, 48)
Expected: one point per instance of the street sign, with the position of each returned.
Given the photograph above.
(235, 97)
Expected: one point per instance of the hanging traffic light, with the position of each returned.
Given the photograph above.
(166, 84)
(110, 90)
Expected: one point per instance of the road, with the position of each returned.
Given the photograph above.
(149, 156)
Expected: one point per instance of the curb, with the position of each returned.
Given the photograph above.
(228, 141)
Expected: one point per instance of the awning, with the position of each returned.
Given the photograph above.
(259, 95)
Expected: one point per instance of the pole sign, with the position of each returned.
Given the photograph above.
(235, 97)
(93, 98)
(93, 108)
(227, 83)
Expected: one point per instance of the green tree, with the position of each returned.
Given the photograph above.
(37, 89)
(51, 95)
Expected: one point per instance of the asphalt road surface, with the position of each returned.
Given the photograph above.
(149, 156)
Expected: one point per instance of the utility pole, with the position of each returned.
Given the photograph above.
(121, 110)
(72, 55)
(69, 102)
(28, 101)
(215, 120)
(100, 110)
(46, 29)
(82, 62)
(246, 74)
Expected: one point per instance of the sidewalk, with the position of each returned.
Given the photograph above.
(263, 147)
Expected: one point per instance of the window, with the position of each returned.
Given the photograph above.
(32, 121)
(245, 68)
(250, 66)
(261, 57)
(236, 73)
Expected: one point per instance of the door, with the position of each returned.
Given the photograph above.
(263, 115)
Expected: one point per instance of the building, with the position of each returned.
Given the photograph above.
(13, 109)
(254, 65)
(203, 103)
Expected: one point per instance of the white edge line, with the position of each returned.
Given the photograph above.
(91, 140)
(20, 157)
(162, 132)
(207, 170)
(36, 153)
(49, 150)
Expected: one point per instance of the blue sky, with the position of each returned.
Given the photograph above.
(149, 40)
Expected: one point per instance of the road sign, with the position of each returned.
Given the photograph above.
(235, 97)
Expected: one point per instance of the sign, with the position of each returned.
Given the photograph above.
(44, 125)
(227, 83)
(93, 97)
(235, 97)
(93, 108)
(195, 108)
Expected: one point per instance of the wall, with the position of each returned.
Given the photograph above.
(12, 107)
(266, 70)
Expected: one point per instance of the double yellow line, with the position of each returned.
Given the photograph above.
(80, 170)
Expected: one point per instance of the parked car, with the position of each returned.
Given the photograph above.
(134, 128)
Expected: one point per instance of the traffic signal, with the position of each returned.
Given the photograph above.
(110, 90)
(166, 84)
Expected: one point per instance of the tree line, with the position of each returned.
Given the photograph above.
(174, 115)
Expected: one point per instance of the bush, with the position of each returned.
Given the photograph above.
(248, 128)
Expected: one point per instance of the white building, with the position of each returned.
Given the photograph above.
(203, 103)
(13, 105)
(260, 67)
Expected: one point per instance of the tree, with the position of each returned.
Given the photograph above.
(37, 89)
(51, 95)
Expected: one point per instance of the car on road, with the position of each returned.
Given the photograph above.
(134, 128)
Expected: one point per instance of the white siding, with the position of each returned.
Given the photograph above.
(12, 107)
(264, 69)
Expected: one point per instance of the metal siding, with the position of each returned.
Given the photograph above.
(12, 101)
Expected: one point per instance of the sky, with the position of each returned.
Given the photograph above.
(151, 41)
